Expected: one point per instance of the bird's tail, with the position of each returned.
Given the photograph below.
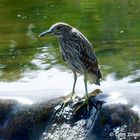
(92, 78)
(95, 78)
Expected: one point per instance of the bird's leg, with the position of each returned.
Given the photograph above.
(72, 96)
(74, 83)
(86, 90)
(85, 102)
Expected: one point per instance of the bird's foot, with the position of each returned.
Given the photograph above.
(83, 103)
(68, 100)
(87, 100)
(77, 103)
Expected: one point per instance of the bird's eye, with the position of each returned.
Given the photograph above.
(58, 28)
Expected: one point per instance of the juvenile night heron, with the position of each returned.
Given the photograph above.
(78, 52)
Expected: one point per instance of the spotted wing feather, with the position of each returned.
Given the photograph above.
(89, 59)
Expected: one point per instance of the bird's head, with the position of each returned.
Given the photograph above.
(58, 29)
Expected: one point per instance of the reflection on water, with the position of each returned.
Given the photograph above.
(112, 26)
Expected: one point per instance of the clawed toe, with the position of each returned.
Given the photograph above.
(77, 103)
(68, 101)
(81, 105)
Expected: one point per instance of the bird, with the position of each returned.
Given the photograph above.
(78, 53)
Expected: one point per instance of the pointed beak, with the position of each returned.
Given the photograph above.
(48, 32)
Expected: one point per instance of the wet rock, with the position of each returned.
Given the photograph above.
(6, 108)
(52, 121)
(27, 122)
(112, 122)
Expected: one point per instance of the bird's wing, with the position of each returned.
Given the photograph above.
(88, 57)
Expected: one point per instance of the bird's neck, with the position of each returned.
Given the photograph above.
(66, 36)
